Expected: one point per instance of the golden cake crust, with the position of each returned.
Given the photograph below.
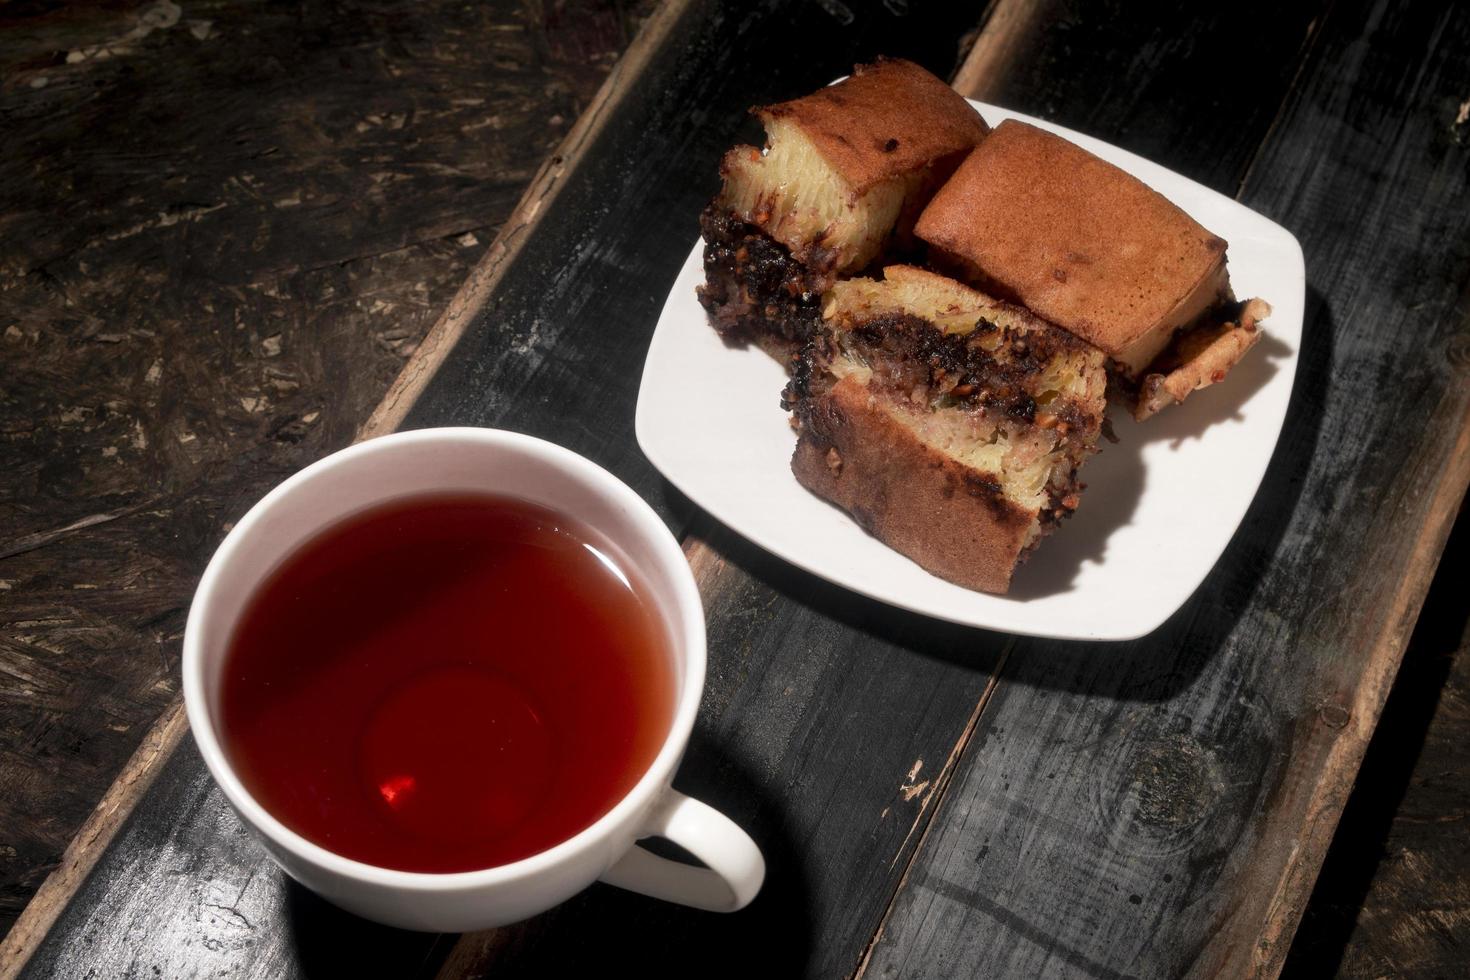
(1199, 359)
(939, 513)
(1078, 241)
(886, 120)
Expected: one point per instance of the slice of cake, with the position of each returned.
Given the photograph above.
(1200, 357)
(843, 176)
(1037, 219)
(951, 426)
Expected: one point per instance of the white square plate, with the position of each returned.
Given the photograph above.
(1160, 507)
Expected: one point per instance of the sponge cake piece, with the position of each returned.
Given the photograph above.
(1199, 358)
(950, 426)
(842, 178)
(1080, 243)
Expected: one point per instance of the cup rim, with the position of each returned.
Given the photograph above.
(656, 777)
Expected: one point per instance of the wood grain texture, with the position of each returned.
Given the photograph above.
(830, 728)
(861, 733)
(828, 736)
(229, 911)
(554, 174)
(1195, 777)
(551, 355)
(1392, 897)
(224, 230)
(1000, 45)
(425, 356)
(1196, 84)
(92, 840)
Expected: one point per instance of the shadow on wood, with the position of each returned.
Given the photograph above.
(331, 942)
(973, 649)
(605, 925)
(1157, 667)
(1367, 915)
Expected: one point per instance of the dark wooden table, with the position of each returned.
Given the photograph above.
(227, 227)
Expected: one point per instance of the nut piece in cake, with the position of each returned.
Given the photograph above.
(1036, 218)
(844, 174)
(949, 425)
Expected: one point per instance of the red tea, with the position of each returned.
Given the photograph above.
(446, 683)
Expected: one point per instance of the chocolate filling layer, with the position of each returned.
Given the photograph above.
(752, 286)
(993, 368)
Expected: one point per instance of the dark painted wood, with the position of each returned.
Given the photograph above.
(220, 237)
(799, 736)
(825, 731)
(1393, 899)
(558, 352)
(845, 905)
(224, 909)
(820, 707)
(1191, 84)
(1153, 809)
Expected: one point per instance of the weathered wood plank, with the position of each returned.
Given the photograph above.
(823, 731)
(555, 173)
(1192, 85)
(1189, 783)
(534, 947)
(590, 372)
(838, 628)
(1393, 897)
(230, 912)
(188, 314)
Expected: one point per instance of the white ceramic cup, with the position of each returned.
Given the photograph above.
(509, 464)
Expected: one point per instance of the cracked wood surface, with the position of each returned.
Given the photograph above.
(223, 229)
(1162, 807)
(1393, 898)
(817, 709)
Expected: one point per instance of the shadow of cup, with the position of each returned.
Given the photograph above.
(603, 924)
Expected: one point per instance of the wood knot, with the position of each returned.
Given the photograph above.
(1333, 715)
(1166, 787)
(1170, 784)
(1163, 792)
(1457, 352)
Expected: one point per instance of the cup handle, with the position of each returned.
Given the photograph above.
(736, 867)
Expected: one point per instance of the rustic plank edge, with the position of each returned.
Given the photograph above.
(544, 188)
(985, 60)
(158, 745)
(1335, 783)
(91, 841)
(503, 336)
(937, 793)
(995, 45)
(449, 328)
(1305, 57)
(1287, 886)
